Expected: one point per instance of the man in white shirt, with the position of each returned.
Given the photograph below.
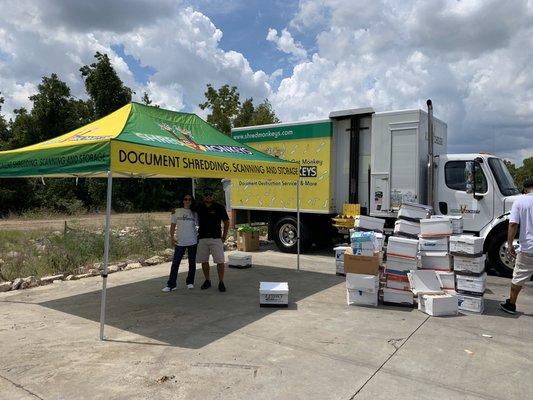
(521, 214)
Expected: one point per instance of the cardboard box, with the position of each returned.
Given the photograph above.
(363, 282)
(361, 264)
(407, 227)
(414, 211)
(469, 265)
(457, 222)
(436, 260)
(398, 282)
(399, 297)
(435, 227)
(466, 244)
(471, 284)
(240, 261)
(435, 244)
(361, 298)
(247, 241)
(438, 305)
(471, 304)
(274, 294)
(402, 263)
(369, 223)
(403, 247)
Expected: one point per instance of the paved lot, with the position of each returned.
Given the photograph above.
(210, 345)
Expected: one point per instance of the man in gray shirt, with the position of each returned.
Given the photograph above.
(521, 215)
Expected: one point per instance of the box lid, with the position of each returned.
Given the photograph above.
(341, 248)
(434, 254)
(424, 282)
(402, 240)
(240, 256)
(469, 239)
(405, 222)
(274, 287)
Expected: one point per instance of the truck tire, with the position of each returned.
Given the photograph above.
(285, 234)
(498, 255)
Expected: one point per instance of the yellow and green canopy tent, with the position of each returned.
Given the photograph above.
(143, 141)
(139, 140)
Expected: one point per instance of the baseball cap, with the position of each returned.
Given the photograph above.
(528, 183)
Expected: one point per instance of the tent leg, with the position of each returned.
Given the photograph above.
(106, 253)
(298, 224)
(193, 188)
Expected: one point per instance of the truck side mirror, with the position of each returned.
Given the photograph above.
(469, 177)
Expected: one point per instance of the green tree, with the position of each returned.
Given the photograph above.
(224, 105)
(246, 114)
(104, 87)
(264, 114)
(4, 131)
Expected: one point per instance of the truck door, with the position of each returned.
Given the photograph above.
(452, 197)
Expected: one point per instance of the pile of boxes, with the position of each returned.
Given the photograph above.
(402, 254)
(428, 257)
(470, 275)
(362, 261)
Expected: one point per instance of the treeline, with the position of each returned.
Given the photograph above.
(55, 111)
(521, 173)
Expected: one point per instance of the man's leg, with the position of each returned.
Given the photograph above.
(220, 268)
(205, 269)
(217, 250)
(202, 257)
(191, 253)
(515, 289)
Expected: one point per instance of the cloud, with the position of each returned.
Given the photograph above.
(471, 58)
(285, 43)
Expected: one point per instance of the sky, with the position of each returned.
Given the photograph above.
(473, 58)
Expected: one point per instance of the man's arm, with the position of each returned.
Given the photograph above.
(226, 227)
(511, 234)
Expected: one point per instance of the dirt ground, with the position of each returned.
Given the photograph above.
(88, 221)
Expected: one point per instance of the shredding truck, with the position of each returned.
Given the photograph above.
(377, 160)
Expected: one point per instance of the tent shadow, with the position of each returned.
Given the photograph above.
(192, 318)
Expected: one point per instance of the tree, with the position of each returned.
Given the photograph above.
(224, 105)
(522, 173)
(264, 114)
(104, 87)
(4, 132)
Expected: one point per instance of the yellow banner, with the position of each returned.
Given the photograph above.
(314, 156)
(128, 158)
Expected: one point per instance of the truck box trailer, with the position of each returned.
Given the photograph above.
(378, 160)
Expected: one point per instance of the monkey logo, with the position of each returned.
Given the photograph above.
(184, 137)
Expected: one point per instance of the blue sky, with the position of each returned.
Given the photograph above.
(472, 58)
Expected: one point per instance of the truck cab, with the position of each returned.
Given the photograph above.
(480, 188)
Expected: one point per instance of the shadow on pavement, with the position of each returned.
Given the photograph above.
(192, 318)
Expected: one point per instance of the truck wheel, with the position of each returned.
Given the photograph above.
(498, 255)
(285, 234)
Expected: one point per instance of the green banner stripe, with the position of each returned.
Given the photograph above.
(288, 132)
(62, 160)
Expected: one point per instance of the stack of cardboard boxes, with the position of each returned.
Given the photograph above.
(470, 275)
(362, 261)
(402, 254)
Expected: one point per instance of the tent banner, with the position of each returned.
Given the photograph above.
(74, 160)
(132, 158)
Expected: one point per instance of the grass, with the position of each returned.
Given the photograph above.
(43, 252)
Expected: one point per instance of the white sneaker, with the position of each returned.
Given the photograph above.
(168, 289)
(190, 286)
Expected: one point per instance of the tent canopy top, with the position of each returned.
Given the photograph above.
(139, 140)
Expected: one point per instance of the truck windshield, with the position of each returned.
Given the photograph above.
(503, 177)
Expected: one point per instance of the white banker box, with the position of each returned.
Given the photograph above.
(274, 294)
(414, 211)
(466, 244)
(407, 227)
(457, 222)
(369, 223)
(402, 297)
(471, 304)
(437, 260)
(472, 265)
(438, 305)
(435, 244)
(435, 227)
(471, 284)
(403, 247)
(240, 260)
(361, 298)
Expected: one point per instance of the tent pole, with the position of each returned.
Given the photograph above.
(298, 223)
(106, 252)
(193, 188)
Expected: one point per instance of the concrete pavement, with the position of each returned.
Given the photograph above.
(210, 345)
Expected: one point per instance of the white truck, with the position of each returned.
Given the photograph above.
(378, 160)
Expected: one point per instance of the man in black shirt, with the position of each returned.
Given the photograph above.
(210, 238)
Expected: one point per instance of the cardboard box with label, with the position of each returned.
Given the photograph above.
(438, 305)
(273, 294)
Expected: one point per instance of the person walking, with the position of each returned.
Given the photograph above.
(184, 237)
(521, 215)
(211, 239)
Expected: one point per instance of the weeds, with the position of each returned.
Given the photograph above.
(43, 252)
